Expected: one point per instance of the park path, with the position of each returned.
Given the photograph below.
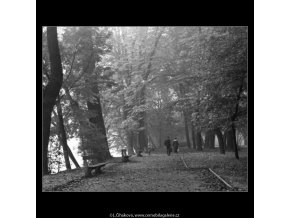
(154, 173)
(182, 172)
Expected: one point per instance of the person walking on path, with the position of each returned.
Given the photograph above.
(175, 145)
(168, 145)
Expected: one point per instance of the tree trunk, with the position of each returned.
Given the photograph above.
(193, 136)
(95, 134)
(212, 140)
(142, 137)
(63, 135)
(51, 91)
(71, 156)
(212, 144)
(135, 141)
(186, 129)
(209, 139)
(138, 147)
(235, 142)
(229, 140)
(78, 114)
(160, 134)
(225, 139)
(129, 133)
(151, 140)
(98, 138)
(206, 139)
(220, 140)
(182, 93)
(130, 142)
(198, 141)
(233, 118)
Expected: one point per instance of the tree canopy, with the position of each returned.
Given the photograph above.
(131, 87)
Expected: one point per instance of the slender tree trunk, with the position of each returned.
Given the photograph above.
(63, 136)
(70, 154)
(142, 137)
(235, 142)
(78, 113)
(198, 141)
(209, 139)
(225, 139)
(51, 91)
(135, 141)
(220, 140)
(206, 140)
(212, 140)
(230, 140)
(198, 137)
(160, 137)
(130, 142)
(151, 140)
(202, 141)
(138, 146)
(160, 133)
(186, 129)
(233, 118)
(129, 133)
(182, 93)
(193, 136)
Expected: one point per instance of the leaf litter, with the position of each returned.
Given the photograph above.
(158, 173)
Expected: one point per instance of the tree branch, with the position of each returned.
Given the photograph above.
(71, 67)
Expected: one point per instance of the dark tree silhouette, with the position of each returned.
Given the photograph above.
(51, 91)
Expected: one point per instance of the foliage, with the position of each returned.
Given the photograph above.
(55, 154)
(197, 70)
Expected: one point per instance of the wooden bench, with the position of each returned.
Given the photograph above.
(96, 167)
(125, 157)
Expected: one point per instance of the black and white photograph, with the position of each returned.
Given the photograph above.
(170, 109)
(145, 109)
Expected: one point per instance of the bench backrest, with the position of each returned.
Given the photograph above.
(90, 157)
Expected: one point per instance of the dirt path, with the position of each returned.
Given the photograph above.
(154, 173)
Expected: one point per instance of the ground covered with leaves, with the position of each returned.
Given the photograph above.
(186, 171)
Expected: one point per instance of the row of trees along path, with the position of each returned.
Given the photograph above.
(116, 87)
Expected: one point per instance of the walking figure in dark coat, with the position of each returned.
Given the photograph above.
(168, 145)
(175, 145)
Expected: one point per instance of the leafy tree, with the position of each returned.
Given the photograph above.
(85, 47)
(55, 156)
(131, 86)
(213, 62)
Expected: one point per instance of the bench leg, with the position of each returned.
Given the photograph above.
(98, 171)
(88, 172)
